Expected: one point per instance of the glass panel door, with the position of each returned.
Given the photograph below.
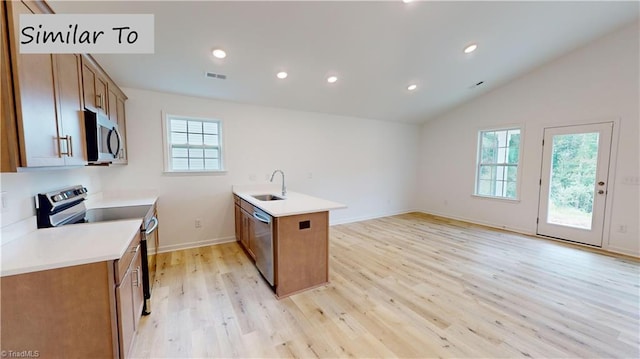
(573, 185)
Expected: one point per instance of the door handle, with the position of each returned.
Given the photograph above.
(601, 191)
(601, 183)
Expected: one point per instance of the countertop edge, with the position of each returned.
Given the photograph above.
(326, 206)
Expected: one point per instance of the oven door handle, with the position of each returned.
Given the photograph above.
(153, 228)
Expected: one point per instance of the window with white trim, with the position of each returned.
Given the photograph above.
(193, 144)
(497, 173)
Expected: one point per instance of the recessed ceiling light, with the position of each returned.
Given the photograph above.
(221, 54)
(412, 87)
(471, 48)
(282, 75)
(407, 1)
(332, 79)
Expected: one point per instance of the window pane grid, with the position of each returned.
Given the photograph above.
(498, 156)
(194, 145)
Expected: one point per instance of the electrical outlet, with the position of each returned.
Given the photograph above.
(198, 223)
(309, 175)
(622, 228)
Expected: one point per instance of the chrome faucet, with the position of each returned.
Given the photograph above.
(284, 188)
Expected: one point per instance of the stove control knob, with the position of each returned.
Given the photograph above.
(57, 198)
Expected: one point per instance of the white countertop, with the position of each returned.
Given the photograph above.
(51, 248)
(120, 199)
(66, 246)
(294, 203)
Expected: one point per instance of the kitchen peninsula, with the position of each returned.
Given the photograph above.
(287, 236)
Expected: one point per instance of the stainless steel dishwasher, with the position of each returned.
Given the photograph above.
(262, 244)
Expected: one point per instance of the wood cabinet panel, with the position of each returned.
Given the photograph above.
(35, 93)
(94, 88)
(238, 221)
(43, 98)
(247, 233)
(9, 134)
(74, 312)
(89, 87)
(70, 107)
(63, 313)
(126, 320)
(47, 103)
(302, 252)
(122, 264)
(137, 289)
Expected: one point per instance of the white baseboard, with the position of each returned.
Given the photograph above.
(190, 245)
(366, 218)
(482, 223)
(626, 252)
(533, 234)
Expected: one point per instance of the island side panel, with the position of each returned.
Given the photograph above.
(302, 252)
(60, 312)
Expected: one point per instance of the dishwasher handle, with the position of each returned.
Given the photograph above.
(260, 217)
(153, 228)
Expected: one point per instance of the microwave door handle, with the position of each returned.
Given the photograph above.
(114, 154)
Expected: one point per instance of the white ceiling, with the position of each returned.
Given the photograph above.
(376, 49)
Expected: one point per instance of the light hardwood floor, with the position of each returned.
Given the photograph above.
(403, 286)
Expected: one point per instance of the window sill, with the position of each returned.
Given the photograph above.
(501, 199)
(194, 173)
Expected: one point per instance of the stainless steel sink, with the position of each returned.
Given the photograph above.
(267, 197)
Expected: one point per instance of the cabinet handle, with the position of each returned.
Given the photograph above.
(137, 277)
(69, 151)
(99, 101)
(70, 146)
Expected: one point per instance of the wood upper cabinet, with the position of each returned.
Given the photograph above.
(43, 98)
(94, 87)
(70, 113)
(116, 100)
(46, 91)
(103, 96)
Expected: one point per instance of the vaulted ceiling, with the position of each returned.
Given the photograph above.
(376, 49)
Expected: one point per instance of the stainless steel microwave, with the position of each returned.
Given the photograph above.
(103, 139)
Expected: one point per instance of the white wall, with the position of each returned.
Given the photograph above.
(19, 189)
(599, 82)
(369, 165)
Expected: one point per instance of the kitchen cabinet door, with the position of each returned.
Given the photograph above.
(238, 219)
(136, 289)
(126, 319)
(70, 108)
(94, 88)
(247, 232)
(34, 91)
(119, 117)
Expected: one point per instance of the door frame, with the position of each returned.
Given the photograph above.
(613, 159)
